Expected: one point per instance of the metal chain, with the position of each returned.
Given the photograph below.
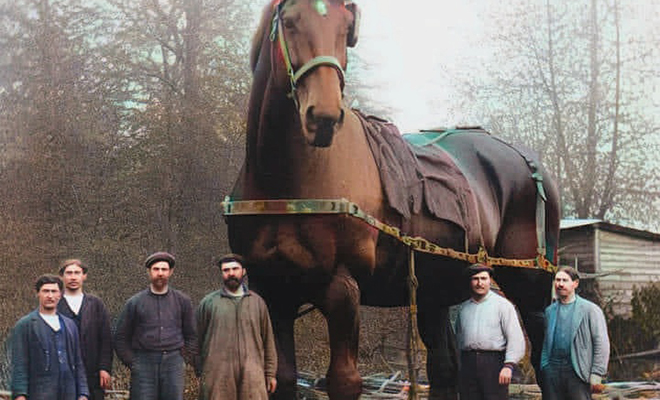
(343, 206)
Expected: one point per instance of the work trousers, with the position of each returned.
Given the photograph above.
(560, 382)
(94, 385)
(157, 375)
(479, 375)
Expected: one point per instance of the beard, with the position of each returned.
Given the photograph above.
(159, 283)
(233, 283)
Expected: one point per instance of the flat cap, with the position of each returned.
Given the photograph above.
(478, 267)
(159, 256)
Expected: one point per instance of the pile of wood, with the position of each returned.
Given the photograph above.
(396, 387)
(632, 390)
(374, 387)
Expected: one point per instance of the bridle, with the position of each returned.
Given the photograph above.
(295, 76)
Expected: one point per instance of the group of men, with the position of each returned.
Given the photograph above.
(63, 350)
(575, 351)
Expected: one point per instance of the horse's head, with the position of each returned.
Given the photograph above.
(309, 40)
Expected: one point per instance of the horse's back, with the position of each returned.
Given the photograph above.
(499, 174)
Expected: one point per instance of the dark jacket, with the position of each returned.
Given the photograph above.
(156, 322)
(32, 350)
(93, 323)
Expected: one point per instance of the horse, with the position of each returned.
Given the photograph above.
(303, 142)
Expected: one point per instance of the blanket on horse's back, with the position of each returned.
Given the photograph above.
(417, 176)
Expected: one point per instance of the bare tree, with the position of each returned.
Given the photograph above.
(568, 82)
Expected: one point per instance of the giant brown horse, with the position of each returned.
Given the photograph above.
(304, 143)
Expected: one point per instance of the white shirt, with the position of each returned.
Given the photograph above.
(238, 293)
(74, 301)
(52, 320)
(491, 324)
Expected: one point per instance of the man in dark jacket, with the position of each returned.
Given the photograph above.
(155, 331)
(93, 321)
(45, 351)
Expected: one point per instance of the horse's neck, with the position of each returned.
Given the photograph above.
(342, 167)
(284, 165)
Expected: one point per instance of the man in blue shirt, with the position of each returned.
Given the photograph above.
(576, 349)
(490, 339)
(45, 349)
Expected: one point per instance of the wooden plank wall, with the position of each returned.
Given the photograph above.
(631, 261)
(627, 260)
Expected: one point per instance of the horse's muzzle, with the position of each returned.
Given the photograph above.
(321, 129)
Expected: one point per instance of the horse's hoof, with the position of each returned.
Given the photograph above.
(346, 387)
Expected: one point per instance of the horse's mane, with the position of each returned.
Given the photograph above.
(262, 30)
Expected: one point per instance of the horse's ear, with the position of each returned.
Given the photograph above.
(352, 38)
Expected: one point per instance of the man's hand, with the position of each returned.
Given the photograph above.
(271, 385)
(596, 383)
(104, 379)
(505, 376)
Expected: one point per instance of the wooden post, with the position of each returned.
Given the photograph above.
(413, 333)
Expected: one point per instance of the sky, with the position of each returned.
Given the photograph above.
(414, 46)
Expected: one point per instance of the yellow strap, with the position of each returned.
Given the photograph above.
(343, 206)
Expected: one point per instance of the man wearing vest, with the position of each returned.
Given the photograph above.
(45, 351)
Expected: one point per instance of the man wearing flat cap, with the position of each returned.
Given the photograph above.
(238, 359)
(156, 330)
(490, 339)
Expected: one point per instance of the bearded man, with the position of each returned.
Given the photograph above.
(238, 359)
(155, 332)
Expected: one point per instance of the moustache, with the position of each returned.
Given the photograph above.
(232, 282)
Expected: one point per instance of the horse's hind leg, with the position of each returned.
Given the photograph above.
(340, 306)
(535, 327)
(441, 360)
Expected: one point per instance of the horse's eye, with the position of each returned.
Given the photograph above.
(289, 24)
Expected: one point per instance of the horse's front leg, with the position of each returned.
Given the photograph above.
(283, 327)
(340, 306)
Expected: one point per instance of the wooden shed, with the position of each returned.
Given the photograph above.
(613, 258)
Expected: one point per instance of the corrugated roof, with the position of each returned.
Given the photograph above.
(608, 226)
(572, 223)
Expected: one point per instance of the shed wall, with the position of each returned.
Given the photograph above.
(630, 262)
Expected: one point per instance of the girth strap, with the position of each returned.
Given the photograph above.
(343, 206)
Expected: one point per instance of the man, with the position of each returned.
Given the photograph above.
(46, 359)
(576, 349)
(93, 322)
(490, 339)
(155, 330)
(238, 356)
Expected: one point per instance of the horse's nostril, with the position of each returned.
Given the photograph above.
(321, 122)
(310, 116)
(325, 124)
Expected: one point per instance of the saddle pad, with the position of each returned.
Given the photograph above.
(416, 176)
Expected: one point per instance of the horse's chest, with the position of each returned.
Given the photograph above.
(322, 240)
